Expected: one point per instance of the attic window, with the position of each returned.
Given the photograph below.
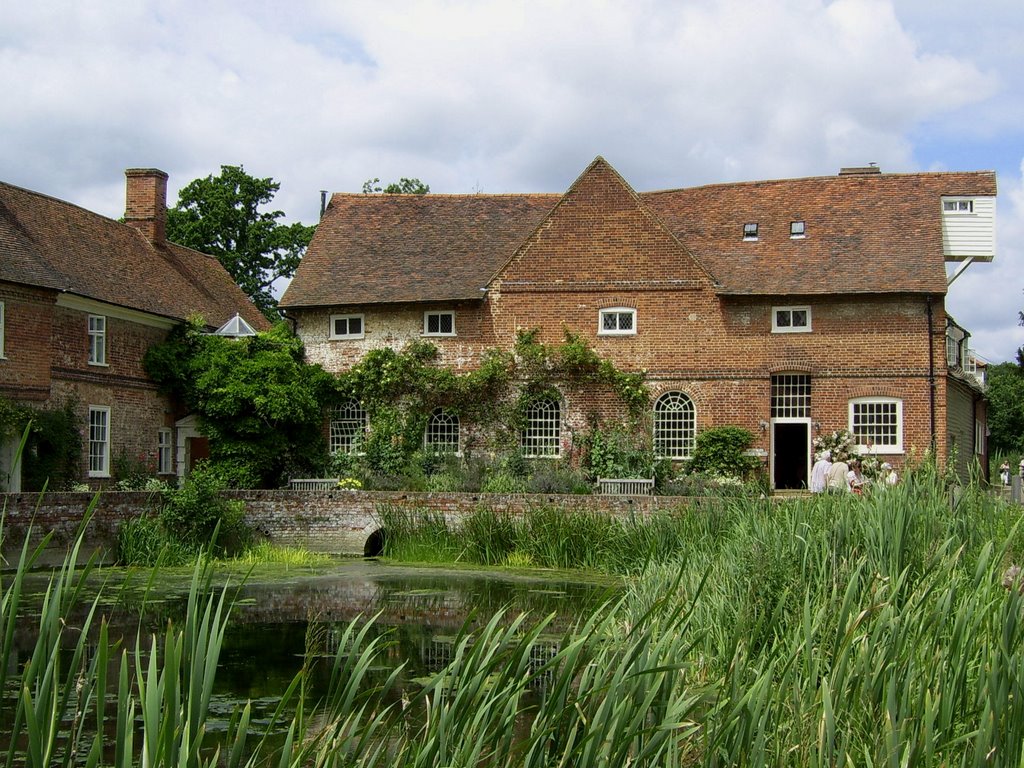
(797, 229)
(958, 206)
(347, 327)
(438, 323)
(750, 231)
(618, 321)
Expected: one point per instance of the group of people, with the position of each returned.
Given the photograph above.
(1004, 472)
(829, 476)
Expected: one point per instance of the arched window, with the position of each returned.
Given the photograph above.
(348, 427)
(675, 426)
(541, 436)
(442, 433)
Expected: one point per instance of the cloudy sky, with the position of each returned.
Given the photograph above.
(505, 96)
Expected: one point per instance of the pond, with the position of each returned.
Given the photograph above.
(283, 619)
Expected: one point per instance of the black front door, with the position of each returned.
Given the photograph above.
(790, 452)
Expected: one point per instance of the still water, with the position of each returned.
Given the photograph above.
(283, 619)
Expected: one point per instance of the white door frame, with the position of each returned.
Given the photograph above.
(771, 443)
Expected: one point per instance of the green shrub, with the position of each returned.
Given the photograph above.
(719, 452)
(197, 510)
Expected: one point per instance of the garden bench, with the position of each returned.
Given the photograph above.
(633, 486)
(313, 484)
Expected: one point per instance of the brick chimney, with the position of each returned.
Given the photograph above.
(146, 202)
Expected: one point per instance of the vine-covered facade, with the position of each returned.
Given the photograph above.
(788, 308)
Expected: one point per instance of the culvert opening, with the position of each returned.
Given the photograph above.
(374, 546)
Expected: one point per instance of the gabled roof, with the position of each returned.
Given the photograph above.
(865, 233)
(50, 243)
(398, 248)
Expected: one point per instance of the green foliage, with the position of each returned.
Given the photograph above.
(259, 403)
(53, 450)
(144, 541)
(616, 452)
(401, 187)
(719, 452)
(194, 513)
(1006, 408)
(221, 216)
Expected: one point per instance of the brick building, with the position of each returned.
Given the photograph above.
(82, 297)
(789, 308)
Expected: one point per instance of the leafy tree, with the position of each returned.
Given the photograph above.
(221, 216)
(401, 187)
(1006, 407)
(258, 401)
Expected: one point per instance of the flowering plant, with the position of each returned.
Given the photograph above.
(839, 443)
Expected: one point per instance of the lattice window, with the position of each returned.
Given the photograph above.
(438, 323)
(618, 321)
(877, 423)
(675, 426)
(99, 441)
(791, 396)
(542, 435)
(442, 433)
(348, 427)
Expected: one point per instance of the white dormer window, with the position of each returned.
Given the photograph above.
(797, 230)
(347, 327)
(958, 206)
(438, 323)
(791, 319)
(617, 321)
(750, 231)
(97, 340)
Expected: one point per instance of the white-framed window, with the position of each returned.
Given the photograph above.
(347, 327)
(617, 321)
(164, 450)
(791, 396)
(980, 437)
(439, 323)
(876, 423)
(958, 206)
(750, 230)
(542, 434)
(675, 426)
(348, 427)
(99, 441)
(791, 319)
(442, 432)
(2, 318)
(797, 230)
(97, 340)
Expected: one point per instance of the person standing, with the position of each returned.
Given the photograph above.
(1004, 473)
(819, 472)
(835, 478)
(855, 478)
(889, 476)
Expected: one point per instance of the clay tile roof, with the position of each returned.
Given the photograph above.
(53, 244)
(397, 248)
(865, 233)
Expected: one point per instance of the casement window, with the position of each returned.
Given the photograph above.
(750, 231)
(617, 321)
(347, 327)
(958, 206)
(438, 323)
(675, 426)
(980, 437)
(348, 427)
(99, 441)
(97, 340)
(542, 435)
(2, 319)
(876, 423)
(791, 319)
(797, 230)
(442, 432)
(163, 451)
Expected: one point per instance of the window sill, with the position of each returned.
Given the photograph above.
(895, 450)
(791, 330)
(439, 335)
(99, 365)
(616, 333)
(99, 475)
(347, 338)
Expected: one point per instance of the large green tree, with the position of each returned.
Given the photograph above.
(1006, 407)
(401, 187)
(221, 215)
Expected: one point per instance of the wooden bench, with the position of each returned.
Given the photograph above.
(314, 484)
(634, 486)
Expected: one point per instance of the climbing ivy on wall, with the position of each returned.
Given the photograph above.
(53, 448)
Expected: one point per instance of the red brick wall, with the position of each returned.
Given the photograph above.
(28, 324)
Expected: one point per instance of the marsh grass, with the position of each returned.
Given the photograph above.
(819, 632)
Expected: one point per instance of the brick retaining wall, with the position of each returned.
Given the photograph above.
(328, 521)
